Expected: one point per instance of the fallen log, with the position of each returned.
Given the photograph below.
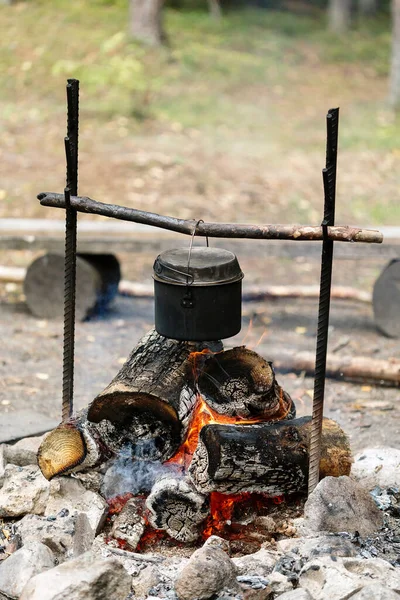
(178, 508)
(266, 458)
(240, 383)
(224, 230)
(353, 368)
(147, 407)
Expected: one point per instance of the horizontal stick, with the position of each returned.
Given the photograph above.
(222, 230)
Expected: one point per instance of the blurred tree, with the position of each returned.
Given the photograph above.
(215, 9)
(339, 15)
(367, 7)
(394, 91)
(145, 21)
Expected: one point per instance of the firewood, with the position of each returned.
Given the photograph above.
(240, 383)
(355, 368)
(266, 458)
(178, 508)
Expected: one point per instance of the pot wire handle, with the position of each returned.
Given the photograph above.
(188, 276)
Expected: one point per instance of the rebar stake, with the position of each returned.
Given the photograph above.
(329, 180)
(71, 151)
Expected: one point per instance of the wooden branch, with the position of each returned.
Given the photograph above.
(12, 274)
(224, 230)
(358, 368)
(266, 458)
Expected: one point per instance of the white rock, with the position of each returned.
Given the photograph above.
(373, 569)
(20, 567)
(377, 466)
(317, 546)
(260, 563)
(148, 578)
(23, 452)
(70, 494)
(66, 535)
(2, 464)
(279, 583)
(375, 591)
(341, 504)
(84, 578)
(298, 594)
(24, 491)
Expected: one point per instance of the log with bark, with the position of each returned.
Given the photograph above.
(353, 368)
(178, 508)
(147, 406)
(240, 383)
(266, 458)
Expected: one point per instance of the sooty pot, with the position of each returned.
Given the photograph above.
(198, 294)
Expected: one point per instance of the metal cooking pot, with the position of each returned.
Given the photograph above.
(198, 294)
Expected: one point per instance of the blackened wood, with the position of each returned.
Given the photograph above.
(96, 284)
(178, 508)
(267, 458)
(151, 398)
(241, 383)
(224, 230)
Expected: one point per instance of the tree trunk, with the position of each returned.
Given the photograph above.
(215, 9)
(394, 92)
(266, 458)
(145, 21)
(339, 15)
(367, 7)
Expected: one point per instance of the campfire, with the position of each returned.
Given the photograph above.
(202, 435)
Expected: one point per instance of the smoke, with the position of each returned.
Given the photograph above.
(131, 472)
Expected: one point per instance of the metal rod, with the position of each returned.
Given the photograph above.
(71, 151)
(329, 180)
(215, 230)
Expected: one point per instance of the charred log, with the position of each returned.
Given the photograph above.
(176, 507)
(151, 398)
(240, 383)
(267, 458)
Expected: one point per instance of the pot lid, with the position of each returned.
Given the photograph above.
(208, 266)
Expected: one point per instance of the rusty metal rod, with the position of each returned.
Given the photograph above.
(71, 151)
(217, 230)
(329, 178)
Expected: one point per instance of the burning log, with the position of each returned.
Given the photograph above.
(240, 383)
(176, 507)
(267, 458)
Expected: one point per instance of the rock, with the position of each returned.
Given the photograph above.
(24, 452)
(377, 467)
(298, 594)
(341, 504)
(148, 578)
(279, 583)
(317, 546)
(260, 563)
(2, 464)
(24, 491)
(83, 578)
(20, 567)
(208, 571)
(70, 494)
(218, 542)
(375, 591)
(129, 524)
(66, 535)
(254, 587)
(342, 578)
(91, 480)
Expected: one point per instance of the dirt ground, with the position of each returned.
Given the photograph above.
(31, 352)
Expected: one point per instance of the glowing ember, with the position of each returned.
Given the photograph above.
(117, 503)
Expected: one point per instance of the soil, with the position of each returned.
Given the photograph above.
(31, 352)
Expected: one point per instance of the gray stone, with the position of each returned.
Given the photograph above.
(22, 423)
(260, 563)
(218, 542)
(66, 535)
(376, 591)
(341, 504)
(91, 480)
(279, 583)
(148, 578)
(298, 594)
(129, 524)
(24, 491)
(83, 578)
(23, 452)
(20, 567)
(318, 546)
(207, 572)
(377, 466)
(374, 569)
(70, 494)
(2, 464)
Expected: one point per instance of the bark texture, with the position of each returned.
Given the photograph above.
(267, 458)
(146, 21)
(394, 91)
(152, 397)
(339, 15)
(367, 7)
